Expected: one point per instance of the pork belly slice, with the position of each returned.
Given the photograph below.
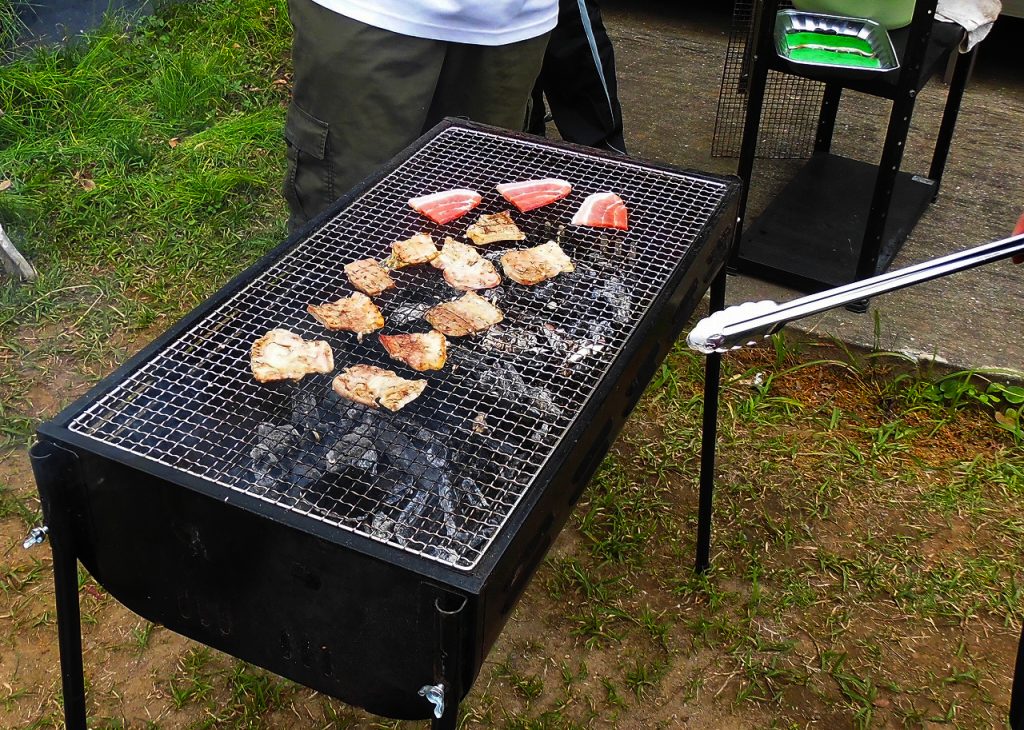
(356, 313)
(284, 355)
(419, 350)
(493, 228)
(467, 315)
(530, 194)
(369, 277)
(531, 266)
(447, 205)
(419, 249)
(602, 210)
(373, 387)
(464, 268)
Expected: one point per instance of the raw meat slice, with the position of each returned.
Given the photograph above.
(533, 265)
(284, 355)
(469, 314)
(530, 194)
(419, 350)
(356, 313)
(416, 250)
(373, 386)
(464, 268)
(369, 277)
(602, 210)
(493, 228)
(446, 206)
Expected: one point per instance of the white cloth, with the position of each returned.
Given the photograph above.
(477, 22)
(975, 16)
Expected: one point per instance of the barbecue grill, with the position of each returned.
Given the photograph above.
(375, 556)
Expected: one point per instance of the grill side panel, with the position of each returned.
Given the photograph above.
(345, 624)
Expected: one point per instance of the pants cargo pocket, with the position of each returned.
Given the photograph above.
(309, 180)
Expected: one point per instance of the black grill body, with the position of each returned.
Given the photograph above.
(296, 591)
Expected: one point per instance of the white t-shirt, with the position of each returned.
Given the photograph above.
(479, 22)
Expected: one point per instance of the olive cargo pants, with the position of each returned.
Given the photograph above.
(361, 94)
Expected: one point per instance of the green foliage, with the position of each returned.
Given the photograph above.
(970, 387)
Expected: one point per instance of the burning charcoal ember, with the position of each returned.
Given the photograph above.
(409, 312)
(509, 340)
(472, 493)
(615, 293)
(272, 440)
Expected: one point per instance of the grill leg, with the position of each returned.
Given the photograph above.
(1017, 689)
(52, 467)
(449, 669)
(709, 437)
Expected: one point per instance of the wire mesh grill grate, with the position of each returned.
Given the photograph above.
(789, 118)
(440, 477)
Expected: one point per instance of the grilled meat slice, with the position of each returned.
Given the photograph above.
(284, 355)
(531, 266)
(464, 268)
(356, 313)
(416, 250)
(493, 228)
(373, 386)
(469, 314)
(447, 205)
(369, 277)
(420, 350)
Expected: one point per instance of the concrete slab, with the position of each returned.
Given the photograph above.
(670, 57)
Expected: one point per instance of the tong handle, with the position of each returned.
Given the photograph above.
(733, 327)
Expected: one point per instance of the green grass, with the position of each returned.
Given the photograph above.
(143, 168)
(868, 526)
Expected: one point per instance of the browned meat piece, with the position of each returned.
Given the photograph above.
(464, 268)
(416, 250)
(369, 277)
(533, 265)
(356, 313)
(373, 386)
(464, 316)
(420, 351)
(493, 228)
(283, 355)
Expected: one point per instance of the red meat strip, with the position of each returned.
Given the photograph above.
(530, 194)
(602, 210)
(446, 206)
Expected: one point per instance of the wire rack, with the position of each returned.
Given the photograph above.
(789, 118)
(440, 477)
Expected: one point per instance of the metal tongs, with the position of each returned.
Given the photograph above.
(737, 326)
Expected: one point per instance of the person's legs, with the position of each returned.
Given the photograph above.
(488, 84)
(578, 78)
(360, 95)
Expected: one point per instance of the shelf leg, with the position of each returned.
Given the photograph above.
(827, 118)
(961, 72)
(888, 169)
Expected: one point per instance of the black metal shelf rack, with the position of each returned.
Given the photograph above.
(839, 219)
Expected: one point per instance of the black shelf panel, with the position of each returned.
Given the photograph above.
(810, 236)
